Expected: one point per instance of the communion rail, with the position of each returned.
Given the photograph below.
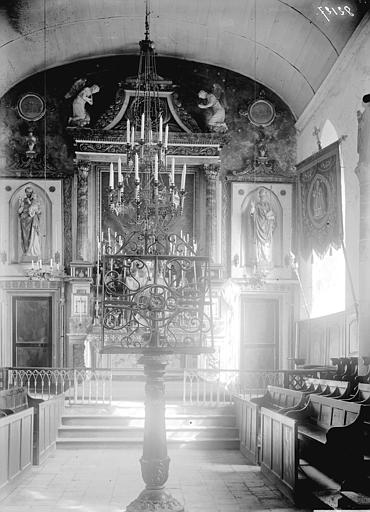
(102, 385)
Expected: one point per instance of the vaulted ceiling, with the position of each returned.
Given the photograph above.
(288, 46)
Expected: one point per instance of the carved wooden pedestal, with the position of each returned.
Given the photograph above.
(155, 461)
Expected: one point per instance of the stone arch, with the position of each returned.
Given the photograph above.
(16, 253)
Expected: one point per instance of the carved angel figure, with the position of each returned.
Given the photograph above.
(82, 95)
(216, 104)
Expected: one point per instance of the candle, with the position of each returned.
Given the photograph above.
(166, 137)
(142, 126)
(111, 176)
(183, 177)
(120, 177)
(128, 131)
(51, 262)
(136, 167)
(156, 167)
(111, 264)
(173, 171)
(40, 263)
(109, 236)
(160, 129)
(58, 266)
(132, 137)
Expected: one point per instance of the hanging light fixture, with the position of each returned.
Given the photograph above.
(147, 171)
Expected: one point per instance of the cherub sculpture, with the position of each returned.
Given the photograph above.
(215, 104)
(81, 95)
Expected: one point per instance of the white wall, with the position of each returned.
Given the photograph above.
(338, 100)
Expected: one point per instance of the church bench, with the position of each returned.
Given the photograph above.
(326, 387)
(16, 447)
(248, 415)
(327, 436)
(15, 400)
(46, 417)
(327, 427)
(362, 394)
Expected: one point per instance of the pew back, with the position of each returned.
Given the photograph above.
(329, 412)
(336, 388)
(14, 399)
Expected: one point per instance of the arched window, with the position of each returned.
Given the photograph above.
(329, 272)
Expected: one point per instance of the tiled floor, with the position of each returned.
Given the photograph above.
(108, 480)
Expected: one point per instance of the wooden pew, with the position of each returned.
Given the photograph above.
(16, 431)
(362, 395)
(47, 417)
(327, 433)
(248, 415)
(333, 388)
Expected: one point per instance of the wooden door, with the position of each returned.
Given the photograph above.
(259, 334)
(32, 332)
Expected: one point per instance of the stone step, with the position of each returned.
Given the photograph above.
(198, 420)
(117, 443)
(176, 433)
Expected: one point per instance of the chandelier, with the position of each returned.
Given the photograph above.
(146, 181)
(155, 286)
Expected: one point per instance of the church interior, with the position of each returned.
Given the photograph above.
(184, 255)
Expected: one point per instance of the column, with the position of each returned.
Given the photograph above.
(83, 168)
(155, 461)
(363, 173)
(211, 171)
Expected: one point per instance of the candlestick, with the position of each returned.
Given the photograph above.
(137, 167)
(183, 177)
(156, 167)
(142, 126)
(132, 137)
(160, 129)
(120, 177)
(166, 137)
(111, 176)
(172, 171)
(128, 131)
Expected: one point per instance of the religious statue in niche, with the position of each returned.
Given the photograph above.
(82, 95)
(264, 224)
(29, 212)
(215, 105)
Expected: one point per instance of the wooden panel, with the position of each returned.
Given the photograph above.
(4, 450)
(266, 438)
(16, 436)
(289, 455)
(279, 459)
(15, 447)
(26, 441)
(247, 423)
(276, 444)
(48, 421)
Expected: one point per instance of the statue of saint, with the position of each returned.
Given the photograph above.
(215, 103)
(264, 224)
(80, 116)
(29, 212)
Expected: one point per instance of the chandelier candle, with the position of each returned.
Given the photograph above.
(111, 176)
(183, 177)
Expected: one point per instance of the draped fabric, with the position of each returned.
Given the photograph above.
(320, 202)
